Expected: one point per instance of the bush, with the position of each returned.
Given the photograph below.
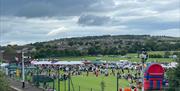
(4, 85)
(174, 77)
(167, 54)
(155, 56)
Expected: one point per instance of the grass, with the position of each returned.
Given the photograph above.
(131, 57)
(87, 82)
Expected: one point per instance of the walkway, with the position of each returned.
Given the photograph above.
(18, 86)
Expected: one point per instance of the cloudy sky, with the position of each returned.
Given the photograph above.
(29, 21)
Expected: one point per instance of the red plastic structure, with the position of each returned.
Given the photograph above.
(153, 77)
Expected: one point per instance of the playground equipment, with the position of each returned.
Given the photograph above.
(153, 77)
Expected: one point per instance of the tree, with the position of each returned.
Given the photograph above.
(71, 43)
(155, 56)
(9, 54)
(105, 51)
(123, 52)
(113, 51)
(94, 50)
(80, 43)
(174, 77)
(167, 54)
(150, 44)
(4, 85)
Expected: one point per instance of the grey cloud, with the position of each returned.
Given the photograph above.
(146, 23)
(31, 20)
(151, 23)
(173, 4)
(43, 8)
(92, 20)
(36, 10)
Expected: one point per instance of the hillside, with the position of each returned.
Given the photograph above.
(104, 45)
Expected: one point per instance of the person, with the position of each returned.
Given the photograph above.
(127, 89)
(67, 69)
(97, 72)
(106, 72)
(87, 72)
(64, 76)
(132, 86)
(139, 73)
(139, 85)
(49, 72)
(128, 70)
(135, 75)
(45, 85)
(119, 75)
(113, 72)
(122, 70)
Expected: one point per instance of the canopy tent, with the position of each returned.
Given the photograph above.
(4, 64)
(56, 63)
(34, 62)
(87, 62)
(41, 62)
(97, 62)
(68, 63)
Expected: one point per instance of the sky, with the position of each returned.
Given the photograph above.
(30, 21)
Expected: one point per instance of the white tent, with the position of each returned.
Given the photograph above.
(173, 64)
(56, 63)
(33, 62)
(68, 63)
(4, 64)
(41, 62)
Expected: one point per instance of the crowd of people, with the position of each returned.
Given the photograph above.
(132, 75)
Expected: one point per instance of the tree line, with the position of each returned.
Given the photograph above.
(45, 53)
(101, 50)
(101, 45)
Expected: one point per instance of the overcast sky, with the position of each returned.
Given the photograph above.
(29, 21)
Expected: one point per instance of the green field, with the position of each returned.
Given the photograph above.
(106, 58)
(131, 57)
(87, 82)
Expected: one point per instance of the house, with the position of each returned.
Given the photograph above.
(12, 57)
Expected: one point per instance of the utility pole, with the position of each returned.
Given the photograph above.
(69, 78)
(117, 82)
(23, 78)
(142, 76)
(58, 80)
(144, 57)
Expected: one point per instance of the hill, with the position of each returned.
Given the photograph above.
(99, 45)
